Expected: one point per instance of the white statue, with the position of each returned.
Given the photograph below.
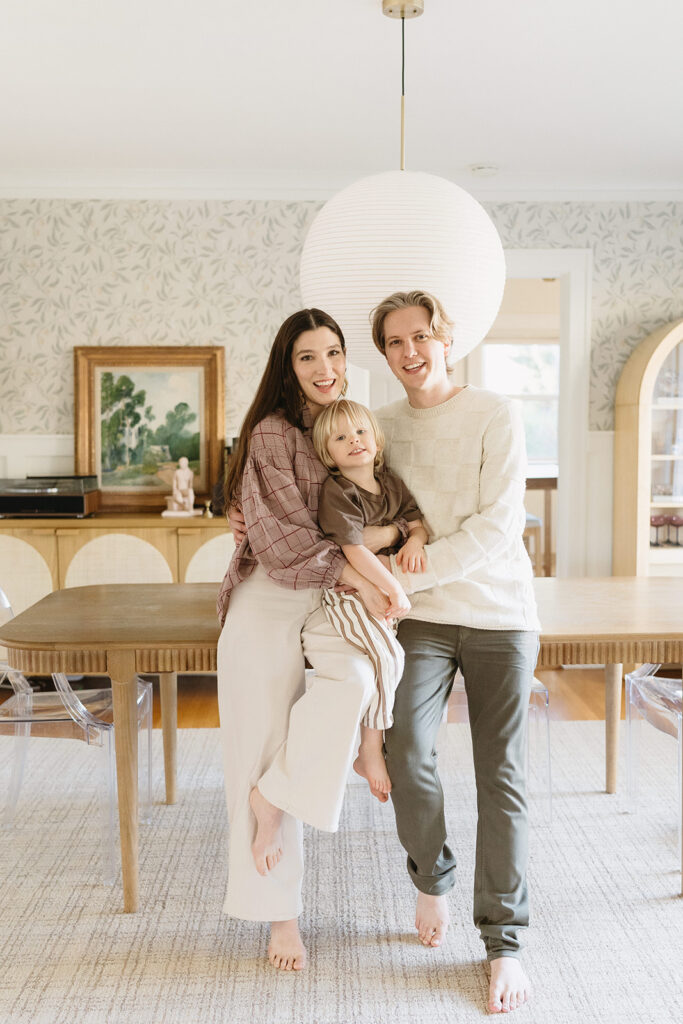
(181, 501)
(183, 478)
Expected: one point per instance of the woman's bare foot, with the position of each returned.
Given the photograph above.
(370, 763)
(509, 987)
(286, 951)
(431, 918)
(267, 847)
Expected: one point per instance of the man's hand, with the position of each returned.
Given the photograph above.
(411, 557)
(376, 538)
(237, 524)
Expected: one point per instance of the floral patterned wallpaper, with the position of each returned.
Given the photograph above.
(194, 272)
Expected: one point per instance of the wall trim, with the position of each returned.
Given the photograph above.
(165, 183)
(23, 455)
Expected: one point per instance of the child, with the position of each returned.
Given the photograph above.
(361, 492)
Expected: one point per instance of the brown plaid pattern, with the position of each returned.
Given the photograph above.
(280, 490)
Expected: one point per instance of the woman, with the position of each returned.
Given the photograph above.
(461, 452)
(286, 750)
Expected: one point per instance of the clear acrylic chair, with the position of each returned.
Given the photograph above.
(85, 715)
(5, 615)
(657, 700)
(538, 746)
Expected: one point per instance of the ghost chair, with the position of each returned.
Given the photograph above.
(658, 701)
(85, 715)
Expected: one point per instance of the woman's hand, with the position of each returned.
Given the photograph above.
(237, 524)
(374, 600)
(399, 605)
(376, 538)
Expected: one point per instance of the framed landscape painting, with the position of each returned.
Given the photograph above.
(139, 409)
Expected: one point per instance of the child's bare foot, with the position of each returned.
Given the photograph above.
(431, 918)
(267, 847)
(370, 762)
(372, 766)
(286, 951)
(509, 987)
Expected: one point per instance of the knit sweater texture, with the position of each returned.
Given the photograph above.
(465, 463)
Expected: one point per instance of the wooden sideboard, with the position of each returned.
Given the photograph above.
(38, 556)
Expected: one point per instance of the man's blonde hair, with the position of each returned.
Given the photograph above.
(440, 323)
(326, 425)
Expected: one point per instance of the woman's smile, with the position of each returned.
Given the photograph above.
(319, 363)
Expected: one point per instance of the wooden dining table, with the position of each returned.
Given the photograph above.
(123, 629)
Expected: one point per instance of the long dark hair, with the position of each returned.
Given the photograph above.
(279, 389)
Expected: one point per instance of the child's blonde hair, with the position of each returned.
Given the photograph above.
(357, 415)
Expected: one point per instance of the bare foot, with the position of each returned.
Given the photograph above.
(509, 987)
(372, 766)
(431, 918)
(286, 951)
(267, 847)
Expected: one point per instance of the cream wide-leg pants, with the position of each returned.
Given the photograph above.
(297, 744)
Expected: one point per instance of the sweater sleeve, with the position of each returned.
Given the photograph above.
(483, 536)
(283, 535)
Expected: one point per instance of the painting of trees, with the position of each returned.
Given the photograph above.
(148, 420)
(122, 411)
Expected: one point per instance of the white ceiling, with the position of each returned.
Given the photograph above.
(266, 98)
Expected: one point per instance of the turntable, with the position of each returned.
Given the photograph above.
(44, 496)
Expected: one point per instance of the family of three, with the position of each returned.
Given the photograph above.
(345, 521)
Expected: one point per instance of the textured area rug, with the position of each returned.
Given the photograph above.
(606, 942)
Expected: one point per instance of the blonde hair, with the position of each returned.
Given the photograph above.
(326, 425)
(440, 323)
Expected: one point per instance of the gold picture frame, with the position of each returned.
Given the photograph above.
(138, 409)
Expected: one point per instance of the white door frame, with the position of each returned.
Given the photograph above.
(574, 269)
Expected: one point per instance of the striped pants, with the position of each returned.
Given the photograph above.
(352, 620)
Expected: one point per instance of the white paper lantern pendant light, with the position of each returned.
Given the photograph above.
(399, 231)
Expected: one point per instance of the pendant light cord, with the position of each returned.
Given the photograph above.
(403, 94)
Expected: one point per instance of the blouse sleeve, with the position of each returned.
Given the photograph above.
(482, 537)
(282, 533)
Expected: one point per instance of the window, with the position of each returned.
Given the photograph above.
(529, 372)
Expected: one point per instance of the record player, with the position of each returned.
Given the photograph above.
(76, 496)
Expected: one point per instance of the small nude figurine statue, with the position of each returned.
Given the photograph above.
(182, 499)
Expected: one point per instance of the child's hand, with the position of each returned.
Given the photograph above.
(411, 557)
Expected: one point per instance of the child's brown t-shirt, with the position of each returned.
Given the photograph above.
(345, 508)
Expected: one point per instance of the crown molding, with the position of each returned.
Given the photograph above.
(284, 186)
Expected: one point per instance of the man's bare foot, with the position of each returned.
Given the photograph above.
(286, 951)
(372, 766)
(509, 987)
(267, 847)
(431, 918)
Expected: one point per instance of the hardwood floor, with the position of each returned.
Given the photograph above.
(575, 694)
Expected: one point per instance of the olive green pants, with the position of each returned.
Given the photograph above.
(498, 666)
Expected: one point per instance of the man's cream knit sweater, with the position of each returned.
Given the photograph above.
(465, 463)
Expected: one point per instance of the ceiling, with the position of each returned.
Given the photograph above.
(263, 98)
